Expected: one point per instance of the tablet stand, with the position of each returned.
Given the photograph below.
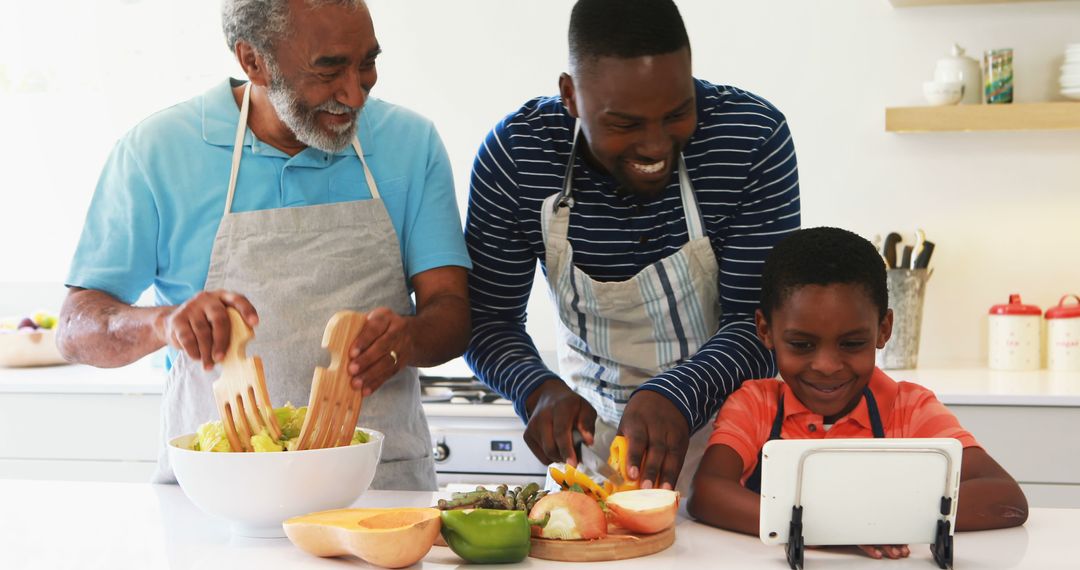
(942, 548)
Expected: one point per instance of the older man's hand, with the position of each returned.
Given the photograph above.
(657, 437)
(383, 347)
(200, 326)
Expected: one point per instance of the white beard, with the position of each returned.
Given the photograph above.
(303, 121)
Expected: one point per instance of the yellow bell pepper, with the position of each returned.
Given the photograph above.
(570, 477)
(617, 455)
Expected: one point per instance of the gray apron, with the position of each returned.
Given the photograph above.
(616, 335)
(298, 266)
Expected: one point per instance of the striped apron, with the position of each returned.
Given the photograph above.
(616, 335)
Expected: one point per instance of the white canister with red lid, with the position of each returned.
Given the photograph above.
(1015, 335)
(1063, 335)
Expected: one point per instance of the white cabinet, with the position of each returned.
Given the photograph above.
(1037, 445)
(95, 437)
(80, 423)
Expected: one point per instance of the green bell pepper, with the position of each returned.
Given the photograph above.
(487, 536)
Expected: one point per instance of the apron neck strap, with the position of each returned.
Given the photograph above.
(695, 228)
(238, 147)
(367, 172)
(566, 198)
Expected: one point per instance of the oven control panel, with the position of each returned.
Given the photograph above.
(483, 451)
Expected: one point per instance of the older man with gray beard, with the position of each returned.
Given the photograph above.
(288, 196)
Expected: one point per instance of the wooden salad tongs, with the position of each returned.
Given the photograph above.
(240, 392)
(334, 406)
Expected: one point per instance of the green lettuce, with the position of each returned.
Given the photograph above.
(211, 435)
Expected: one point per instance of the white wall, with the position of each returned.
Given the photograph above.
(1003, 208)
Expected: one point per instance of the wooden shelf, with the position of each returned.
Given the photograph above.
(1005, 117)
(916, 3)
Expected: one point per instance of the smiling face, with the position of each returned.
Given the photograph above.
(824, 338)
(636, 115)
(322, 72)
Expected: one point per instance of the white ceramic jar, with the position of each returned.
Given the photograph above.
(1015, 335)
(959, 67)
(1063, 335)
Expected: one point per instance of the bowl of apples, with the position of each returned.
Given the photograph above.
(29, 341)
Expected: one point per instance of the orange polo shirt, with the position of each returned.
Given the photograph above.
(906, 409)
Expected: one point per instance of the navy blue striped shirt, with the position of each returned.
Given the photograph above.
(741, 162)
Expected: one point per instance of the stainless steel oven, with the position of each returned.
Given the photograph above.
(475, 436)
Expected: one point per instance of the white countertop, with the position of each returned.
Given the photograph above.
(985, 387)
(140, 377)
(953, 386)
(116, 526)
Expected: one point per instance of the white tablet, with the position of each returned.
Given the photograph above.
(860, 491)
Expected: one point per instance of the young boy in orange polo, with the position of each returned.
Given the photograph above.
(824, 311)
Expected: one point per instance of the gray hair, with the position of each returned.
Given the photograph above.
(262, 23)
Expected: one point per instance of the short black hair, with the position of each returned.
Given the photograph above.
(625, 29)
(823, 256)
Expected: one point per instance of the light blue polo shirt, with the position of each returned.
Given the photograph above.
(161, 196)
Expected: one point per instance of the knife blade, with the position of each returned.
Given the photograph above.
(594, 464)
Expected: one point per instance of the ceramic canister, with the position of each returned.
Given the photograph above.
(1063, 335)
(1014, 335)
(959, 67)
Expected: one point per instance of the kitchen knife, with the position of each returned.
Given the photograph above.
(601, 468)
(922, 261)
(595, 465)
(905, 259)
(890, 248)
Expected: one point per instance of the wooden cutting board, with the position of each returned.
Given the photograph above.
(619, 544)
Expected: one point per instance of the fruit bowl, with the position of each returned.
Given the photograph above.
(256, 492)
(24, 348)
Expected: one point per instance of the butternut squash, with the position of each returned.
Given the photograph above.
(391, 538)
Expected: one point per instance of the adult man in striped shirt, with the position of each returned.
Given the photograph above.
(651, 199)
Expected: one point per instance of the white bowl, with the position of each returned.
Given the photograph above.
(257, 491)
(29, 348)
(943, 92)
(1071, 93)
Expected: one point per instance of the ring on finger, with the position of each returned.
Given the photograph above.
(393, 356)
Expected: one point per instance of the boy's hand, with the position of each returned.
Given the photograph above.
(891, 551)
(657, 437)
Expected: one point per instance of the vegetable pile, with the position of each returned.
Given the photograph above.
(211, 435)
(502, 498)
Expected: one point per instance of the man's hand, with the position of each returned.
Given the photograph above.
(383, 347)
(200, 327)
(555, 411)
(657, 436)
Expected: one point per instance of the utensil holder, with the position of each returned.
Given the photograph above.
(907, 290)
